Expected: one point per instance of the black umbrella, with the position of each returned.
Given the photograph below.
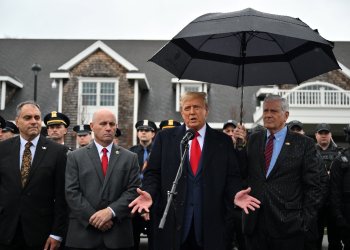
(247, 48)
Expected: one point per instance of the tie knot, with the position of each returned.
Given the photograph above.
(196, 135)
(271, 136)
(104, 150)
(28, 144)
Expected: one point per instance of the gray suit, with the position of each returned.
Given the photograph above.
(88, 191)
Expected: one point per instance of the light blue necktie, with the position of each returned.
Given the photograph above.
(145, 154)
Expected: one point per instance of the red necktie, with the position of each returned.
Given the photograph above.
(195, 154)
(104, 161)
(268, 152)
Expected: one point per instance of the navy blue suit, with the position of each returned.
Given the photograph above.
(200, 199)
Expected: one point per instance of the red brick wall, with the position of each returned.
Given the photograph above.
(99, 64)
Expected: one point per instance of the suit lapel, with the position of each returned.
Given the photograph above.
(112, 163)
(40, 151)
(261, 149)
(94, 156)
(282, 155)
(15, 148)
(208, 149)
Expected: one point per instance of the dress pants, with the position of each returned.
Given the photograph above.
(19, 243)
(261, 240)
(191, 243)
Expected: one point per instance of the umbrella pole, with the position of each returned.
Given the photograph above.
(243, 55)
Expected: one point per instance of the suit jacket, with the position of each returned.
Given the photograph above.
(220, 180)
(40, 205)
(88, 191)
(291, 193)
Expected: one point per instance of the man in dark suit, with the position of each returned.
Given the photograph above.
(210, 175)
(32, 205)
(101, 180)
(284, 174)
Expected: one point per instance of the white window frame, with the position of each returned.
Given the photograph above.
(89, 109)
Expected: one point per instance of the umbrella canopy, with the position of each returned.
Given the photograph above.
(247, 48)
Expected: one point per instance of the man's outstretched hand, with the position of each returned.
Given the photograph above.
(245, 201)
(142, 203)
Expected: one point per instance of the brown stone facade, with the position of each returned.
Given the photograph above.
(99, 64)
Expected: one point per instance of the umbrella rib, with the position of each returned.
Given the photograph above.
(288, 61)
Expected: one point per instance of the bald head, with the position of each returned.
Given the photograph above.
(104, 125)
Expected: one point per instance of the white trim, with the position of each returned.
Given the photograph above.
(327, 84)
(11, 80)
(63, 75)
(91, 49)
(345, 70)
(60, 95)
(136, 110)
(139, 76)
(177, 80)
(3, 95)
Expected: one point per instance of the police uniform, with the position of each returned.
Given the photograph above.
(139, 224)
(325, 218)
(57, 118)
(168, 124)
(340, 195)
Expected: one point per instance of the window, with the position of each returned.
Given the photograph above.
(98, 93)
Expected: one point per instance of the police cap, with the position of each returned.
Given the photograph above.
(146, 124)
(295, 123)
(118, 132)
(10, 127)
(323, 127)
(56, 118)
(169, 124)
(230, 122)
(82, 129)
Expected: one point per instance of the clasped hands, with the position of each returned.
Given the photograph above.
(102, 219)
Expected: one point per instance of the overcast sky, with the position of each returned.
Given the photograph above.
(153, 19)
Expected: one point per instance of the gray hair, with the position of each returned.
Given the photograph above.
(20, 106)
(282, 100)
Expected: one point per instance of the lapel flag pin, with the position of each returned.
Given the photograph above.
(287, 143)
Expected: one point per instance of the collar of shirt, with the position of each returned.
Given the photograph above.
(100, 147)
(201, 136)
(279, 136)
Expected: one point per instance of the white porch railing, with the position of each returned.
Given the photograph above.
(316, 98)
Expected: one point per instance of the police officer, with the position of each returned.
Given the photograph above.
(168, 124)
(9, 131)
(328, 151)
(118, 133)
(340, 192)
(296, 126)
(83, 133)
(146, 131)
(57, 126)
